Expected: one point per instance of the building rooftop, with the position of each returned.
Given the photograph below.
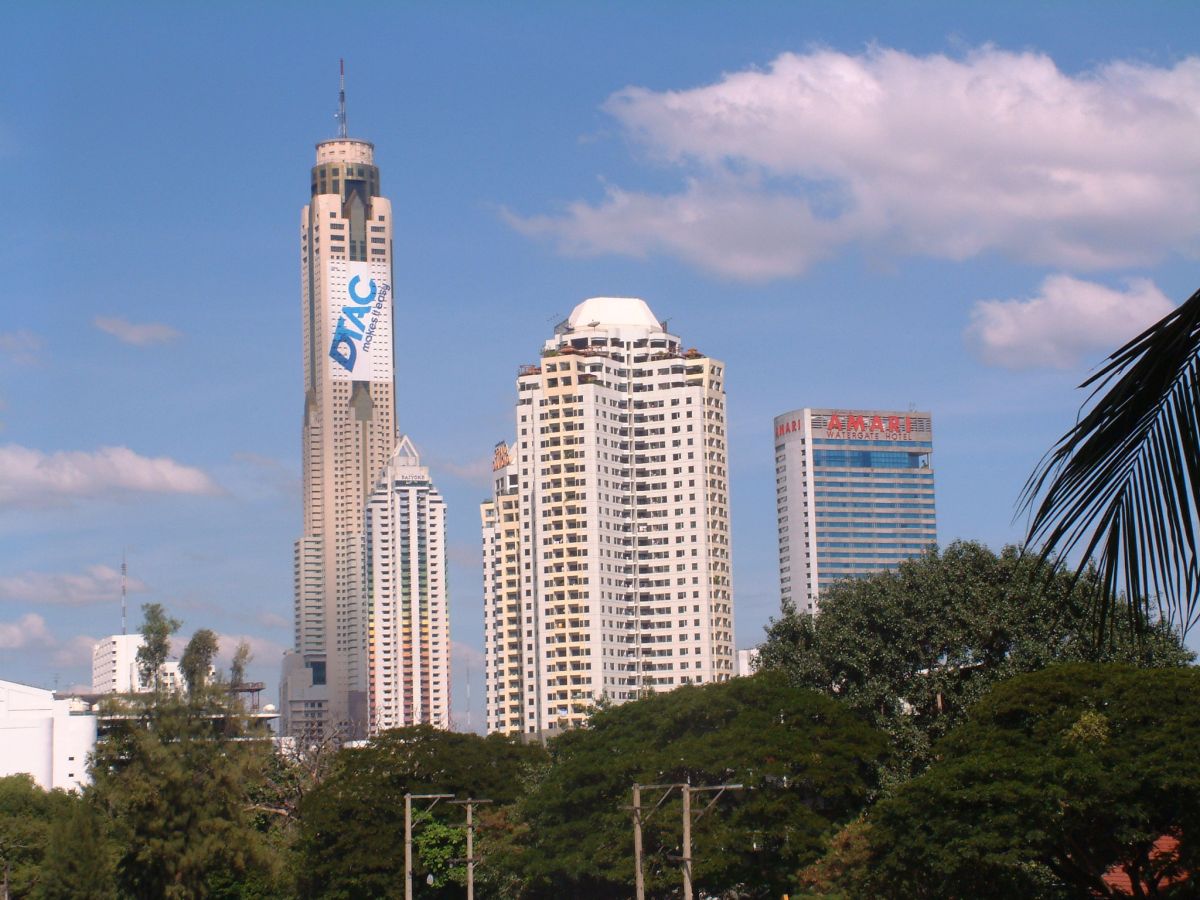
(601, 312)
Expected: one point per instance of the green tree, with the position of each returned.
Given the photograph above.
(157, 628)
(1056, 777)
(806, 764)
(1123, 483)
(352, 822)
(915, 647)
(174, 777)
(241, 659)
(197, 659)
(79, 856)
(27, 813)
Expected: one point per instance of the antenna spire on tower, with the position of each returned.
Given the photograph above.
(124, 573)
(341, 115)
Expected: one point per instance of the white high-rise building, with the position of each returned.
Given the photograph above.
(349, 434)
(854, 496)
(409, 667)
(606, 542)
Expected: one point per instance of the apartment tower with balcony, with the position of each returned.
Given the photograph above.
(606, 548)
(408, 619)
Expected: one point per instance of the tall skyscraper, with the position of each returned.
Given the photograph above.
(854, 495)
(349, 433)
(606, 541)
(409, 618)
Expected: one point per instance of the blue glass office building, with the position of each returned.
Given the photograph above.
(854, 495)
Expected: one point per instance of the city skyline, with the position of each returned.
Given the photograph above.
(536, 158)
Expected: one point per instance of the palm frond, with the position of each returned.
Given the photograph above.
(1123, 485)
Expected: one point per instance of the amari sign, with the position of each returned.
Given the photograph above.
(855, 425)
(360, 314)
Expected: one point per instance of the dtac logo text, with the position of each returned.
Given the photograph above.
(350, 325)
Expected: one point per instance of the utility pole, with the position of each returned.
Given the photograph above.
(639, 884)
(470, 803)
(686, 790)
(408, 829)
(686, 862)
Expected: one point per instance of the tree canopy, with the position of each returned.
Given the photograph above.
(352, 823)
(915, 647)
(805, 762)
(1057, 777)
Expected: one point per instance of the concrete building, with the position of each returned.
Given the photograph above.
(349, 434)
(606, 541)
(409, 639)
(854, 495)
(45, 737)
(115, 668)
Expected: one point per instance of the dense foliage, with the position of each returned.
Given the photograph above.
(1058, 776)
(914, 648)
(351, 840)
(806, 764)
(171, 774)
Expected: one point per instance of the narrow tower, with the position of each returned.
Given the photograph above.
(348, 432)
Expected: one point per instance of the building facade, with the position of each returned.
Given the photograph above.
(349, 434)
(115, 667)
(44, 736)
(409, 631)
(854, 496)
(606, 541)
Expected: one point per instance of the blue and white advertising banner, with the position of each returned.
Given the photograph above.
(360, 317)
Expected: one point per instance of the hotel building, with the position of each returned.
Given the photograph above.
(409, 622)
(854, 496)
(606, 541)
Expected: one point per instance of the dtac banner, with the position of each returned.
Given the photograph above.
(360, 313)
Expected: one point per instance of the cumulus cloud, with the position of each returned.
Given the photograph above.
(901, 154)
(31, 477)
(1067, 321)
(27, 632)
(21, 346)
(96, 584)
(139, 335)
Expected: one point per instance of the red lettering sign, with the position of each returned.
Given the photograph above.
(854, 423)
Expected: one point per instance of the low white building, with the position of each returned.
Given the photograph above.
(45, 737)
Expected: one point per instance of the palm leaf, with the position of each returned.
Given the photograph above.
(1123, 485)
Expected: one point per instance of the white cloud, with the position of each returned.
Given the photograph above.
(96, 584)
(29, 631)
(75, 652)
(930, 155)
(1068, 321)
(464, 655)
(20, 346)
(263, 652)
(33, 478)
(140, 335)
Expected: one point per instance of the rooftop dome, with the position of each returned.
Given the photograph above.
(602, 312)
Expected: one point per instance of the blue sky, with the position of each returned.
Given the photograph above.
(956, 206)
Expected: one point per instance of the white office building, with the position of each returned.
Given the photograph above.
(409, 660)
(115, 667)
(606, 541)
